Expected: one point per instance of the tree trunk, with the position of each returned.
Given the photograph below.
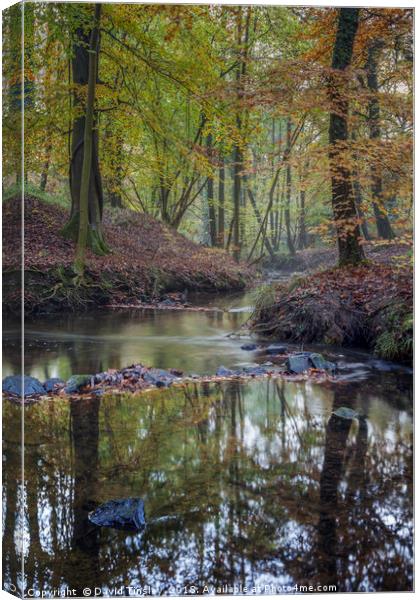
(358, 199)
(210, 199)
(81, 73)
(242, 50)
(289, 238)
(302, 242)
(261, 222)
(237, 162)
(117, 177)
(383, 225)
(221, 213)
(45, 169)
(345, 215)
(86, 175)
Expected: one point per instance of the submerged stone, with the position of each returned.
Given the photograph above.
(12, 384)
(77, 382)
(53, 383)
(127, 513)
(249, 347)
(345, 413)
(276, 349)
(223, 372)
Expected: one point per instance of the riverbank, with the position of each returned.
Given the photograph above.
(148, 260)
(368, 306)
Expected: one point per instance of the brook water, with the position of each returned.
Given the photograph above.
(260, 485)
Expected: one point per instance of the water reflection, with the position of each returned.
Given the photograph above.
(260, 485)
(92, 342)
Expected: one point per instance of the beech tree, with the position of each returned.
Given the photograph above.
(88, 202)
(344, 209)
(85, 58)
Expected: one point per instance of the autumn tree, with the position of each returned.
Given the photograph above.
(86, 184)
(344, 209)
(85, 58)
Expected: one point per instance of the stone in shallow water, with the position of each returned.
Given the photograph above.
(302, 361)
(276, 349)
(256, 371)
(31, 386)
(319, 362)
(159, 377)
(127, 513)
(249, 347)
(223, 372)
(53, 383)
(298, 363)
(77, 382)
(344, 412)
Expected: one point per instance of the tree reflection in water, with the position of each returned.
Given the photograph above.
(263, 484)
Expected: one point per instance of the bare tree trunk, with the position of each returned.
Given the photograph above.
(45, 169)
(210, 199)
(302, 242)
(383, 225)
(242, 41)
(221, 213)
(358, 199)
(289, 237)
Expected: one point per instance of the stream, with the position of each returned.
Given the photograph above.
(260, 487)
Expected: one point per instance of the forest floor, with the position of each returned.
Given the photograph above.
(367, 306)
(148, 261)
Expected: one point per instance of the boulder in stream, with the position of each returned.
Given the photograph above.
(77, 382)
(302, 361)
(344, 412)
(319, 362)
(127, 513)
(249, 347)
(276, 349)
(53, 383)
(12, 384)
(159, 377)
(223, 372)
(256, 371)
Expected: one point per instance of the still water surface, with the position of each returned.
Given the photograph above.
(260, 485)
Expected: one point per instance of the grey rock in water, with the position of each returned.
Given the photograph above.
(302, 361)
(223, 372)
(276, 349)
(344, 412)
(77, 382)
(159, 377)
(298, 363)
(12, 384)
(256, 371)
(319, 362)
(127, 513)
(249, 347)
(53, 383)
